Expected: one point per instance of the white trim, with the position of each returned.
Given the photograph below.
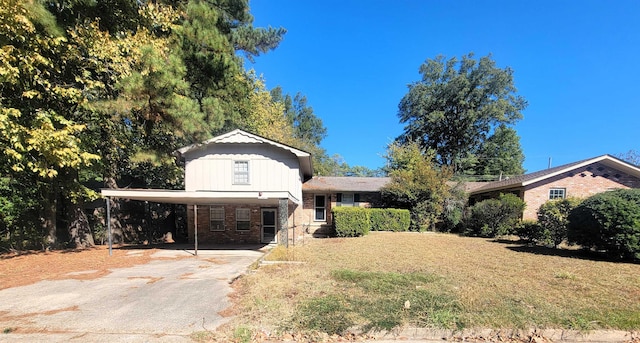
(608, 160)
(242, 137)
(241, 173)
(564, 193)
(275, 224)
(199, 197)
(246, 138)
(316, 207)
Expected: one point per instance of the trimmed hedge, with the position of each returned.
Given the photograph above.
(390, 219)
(351, 221)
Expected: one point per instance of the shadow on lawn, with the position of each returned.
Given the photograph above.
(567, 253)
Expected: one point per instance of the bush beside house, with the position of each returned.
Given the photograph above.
(358, 221)
(351, 221)
(494, 217)
(608, 222)
(390, 219)
(553, 220)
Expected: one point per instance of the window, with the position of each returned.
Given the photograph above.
(241, 172)
(243, 219)
(347, 199)
(320, 208)
(557, 193)
(216, 218)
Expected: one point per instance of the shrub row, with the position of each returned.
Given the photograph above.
(357, 221)
(608, 222)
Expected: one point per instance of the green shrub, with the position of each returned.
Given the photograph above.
(495, 217)
(530, 231)
(553, 219)
(351, 221)
(390, 219)
(608, 222)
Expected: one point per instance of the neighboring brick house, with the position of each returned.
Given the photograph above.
(579, 179)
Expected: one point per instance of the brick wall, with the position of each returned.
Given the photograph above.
(230, 234)
(579, 183)
(305, 215)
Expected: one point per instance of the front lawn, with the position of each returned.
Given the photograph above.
(432, 280)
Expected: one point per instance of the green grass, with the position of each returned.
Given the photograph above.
(385, 280)
(381, 301)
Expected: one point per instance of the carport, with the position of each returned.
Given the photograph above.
(277, 199)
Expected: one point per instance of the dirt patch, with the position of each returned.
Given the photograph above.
(150, 279)
(34, 266)
(216, 260)
(5, 316)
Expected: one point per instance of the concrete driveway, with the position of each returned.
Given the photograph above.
(163, 301)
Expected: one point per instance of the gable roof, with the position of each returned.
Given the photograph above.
(345, 184)
(238, 136)
(527, 179)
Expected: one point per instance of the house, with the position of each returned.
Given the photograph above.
(579, 179)
(244, 188)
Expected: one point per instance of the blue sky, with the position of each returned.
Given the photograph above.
(576, 63)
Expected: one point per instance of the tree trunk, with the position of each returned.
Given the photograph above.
(49, 219)
(79, 229)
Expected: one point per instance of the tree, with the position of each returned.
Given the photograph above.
(631, 156)
(103, 91)
(454, 107)
(501, 153)
(416, 184)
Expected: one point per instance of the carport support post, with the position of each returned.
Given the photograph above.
(283, 218)
(109, 223)
(195, 229)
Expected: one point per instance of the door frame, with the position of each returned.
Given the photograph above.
(275, 224)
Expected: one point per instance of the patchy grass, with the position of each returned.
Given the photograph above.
(385, 280)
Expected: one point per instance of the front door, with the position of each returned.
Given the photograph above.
(269, 225)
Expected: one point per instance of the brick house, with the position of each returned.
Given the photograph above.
(579, 179)
(243, 188)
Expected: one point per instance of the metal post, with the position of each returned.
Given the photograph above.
(195, 229)
(109, 224)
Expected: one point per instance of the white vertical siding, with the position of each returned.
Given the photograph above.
(270, 169)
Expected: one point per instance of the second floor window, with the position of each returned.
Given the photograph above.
(241, 172)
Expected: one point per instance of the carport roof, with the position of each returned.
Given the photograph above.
(198, 197)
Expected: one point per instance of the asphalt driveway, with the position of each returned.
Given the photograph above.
(165, 300)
